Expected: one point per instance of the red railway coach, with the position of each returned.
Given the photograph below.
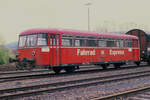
(68, 49)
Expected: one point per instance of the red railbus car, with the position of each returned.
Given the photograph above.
(68, 49)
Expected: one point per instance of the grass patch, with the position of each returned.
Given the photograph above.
(4, 56)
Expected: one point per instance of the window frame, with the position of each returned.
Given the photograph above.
(126, 43)
(24, 41)
(91, 38)
(67, 37)
(80, 38)
(35, 41)
(104, 41)
(38, 39)
(113, 40)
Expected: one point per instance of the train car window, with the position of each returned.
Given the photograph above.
(77, 43)
(119, 43)
(102, 43)
(52, 39)
(111, 43)
(91, 42)
(135, 43)
(80, 42)
(127, 43)
(67, 40)
(22, 41)
(42, 39)
(57, 39)
(31, 40)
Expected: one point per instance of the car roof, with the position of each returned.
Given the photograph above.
(76, 32)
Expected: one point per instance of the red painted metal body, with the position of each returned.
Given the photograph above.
(54, 54)
(90, 55)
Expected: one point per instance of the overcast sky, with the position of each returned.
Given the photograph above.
(113, 15)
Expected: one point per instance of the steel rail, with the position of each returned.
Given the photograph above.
(123, 93)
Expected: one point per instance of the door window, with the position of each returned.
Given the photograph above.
(52, 40)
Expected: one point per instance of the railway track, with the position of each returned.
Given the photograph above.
(37, 70)
(22, 91)
(141, 94)
(20, 72)
(45, 74)
(127, 93)
(27, 71)
(22, 75)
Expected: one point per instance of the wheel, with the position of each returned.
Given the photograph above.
(137, 63)
(77, 67)
(57, 70)
(69, 69)
(104, 66)
(117, 66)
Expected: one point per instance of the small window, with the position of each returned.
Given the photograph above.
(102, 43)
(135, 43)
(22, 41)
(79, 42)
(31, 40)
(91, 43)
(119, 43)
(52, 40)
(67, 40)
(57, 39)
(111, 43)
(42, 39)
(127, 43)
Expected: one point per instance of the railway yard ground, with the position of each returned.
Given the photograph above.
(88, 83)
(7, 67)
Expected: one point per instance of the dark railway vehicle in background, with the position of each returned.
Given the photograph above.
(144, 42)
(60, 49)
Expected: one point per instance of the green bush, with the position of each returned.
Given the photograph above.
(4, 56)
